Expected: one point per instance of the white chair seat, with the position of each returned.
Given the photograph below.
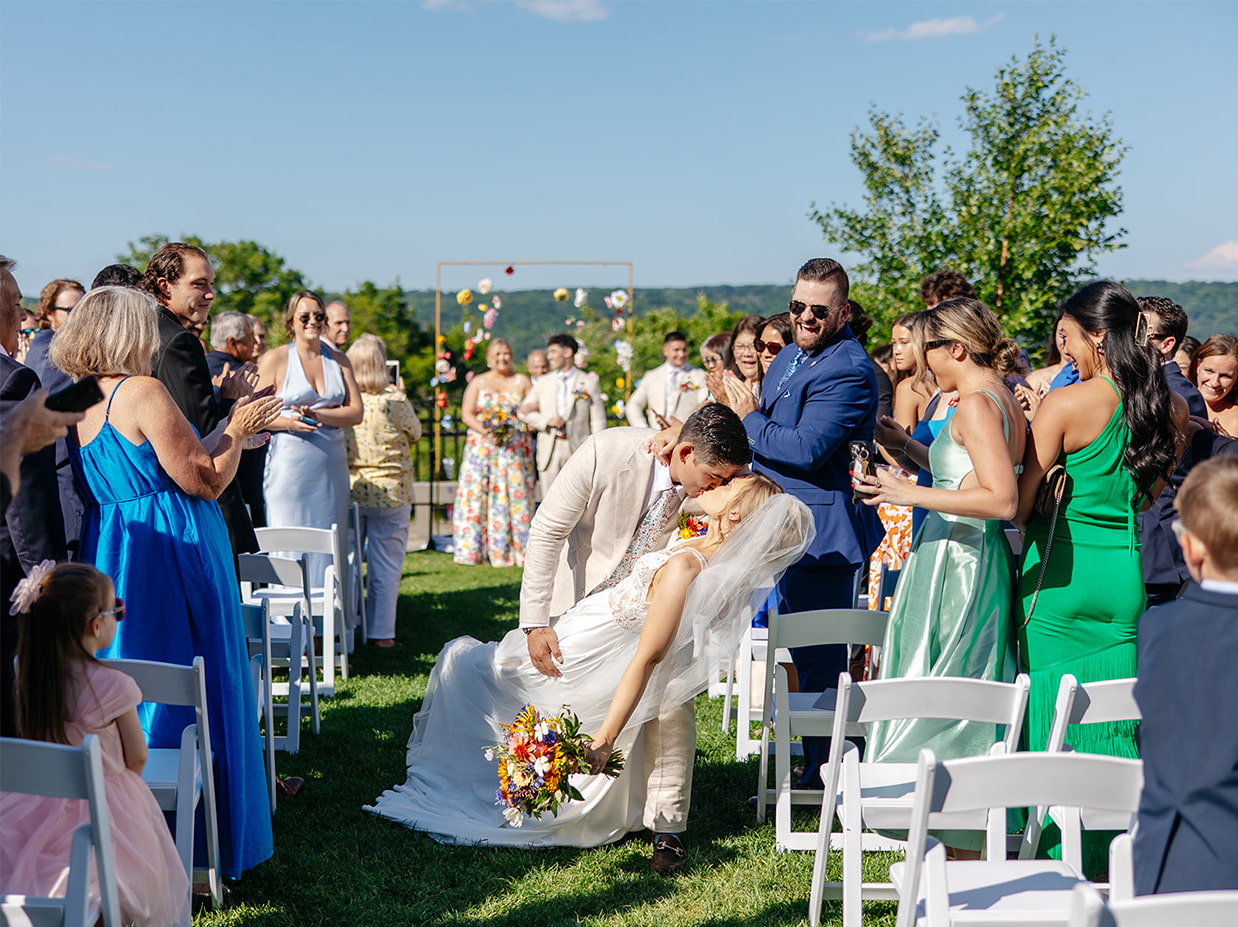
(162, 772)
(1022, 892)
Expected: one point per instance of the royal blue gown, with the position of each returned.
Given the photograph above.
(169, 556)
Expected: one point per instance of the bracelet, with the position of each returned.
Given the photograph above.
(528, 631)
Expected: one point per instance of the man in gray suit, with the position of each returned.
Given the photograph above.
(580, 540)
(564, 408)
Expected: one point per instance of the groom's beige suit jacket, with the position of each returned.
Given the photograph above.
(586, 522)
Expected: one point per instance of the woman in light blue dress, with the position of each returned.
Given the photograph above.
(952, 610)
(157, 531)
(306, 480)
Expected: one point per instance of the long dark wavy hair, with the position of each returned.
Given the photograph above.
(1105, 306)
(49, 644)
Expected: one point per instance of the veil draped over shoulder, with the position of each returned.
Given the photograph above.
(723, 599)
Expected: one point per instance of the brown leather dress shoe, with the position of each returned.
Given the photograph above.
(668, 854)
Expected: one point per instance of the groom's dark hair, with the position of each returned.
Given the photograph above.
(717, 436)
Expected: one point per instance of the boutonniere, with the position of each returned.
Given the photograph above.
(692, 526)
(582, 394)
(685, 387)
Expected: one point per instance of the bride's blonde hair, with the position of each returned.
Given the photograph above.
(753, 489)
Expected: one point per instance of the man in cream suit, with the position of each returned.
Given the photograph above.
(578, 541)
(564, 408)
(672, 390)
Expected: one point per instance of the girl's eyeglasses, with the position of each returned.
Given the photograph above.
(118, 612)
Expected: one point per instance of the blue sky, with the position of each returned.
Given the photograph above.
(369, 140)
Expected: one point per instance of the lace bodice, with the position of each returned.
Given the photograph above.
(629, 598)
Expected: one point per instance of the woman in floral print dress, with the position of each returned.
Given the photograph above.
(494, 495)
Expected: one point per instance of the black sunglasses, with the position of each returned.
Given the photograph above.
(318, 317)
(772, 346)
(795, 307)
(939, 343)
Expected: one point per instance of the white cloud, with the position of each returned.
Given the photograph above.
(1222, 257)
(936, 29)
(566, 11)
(561, 11)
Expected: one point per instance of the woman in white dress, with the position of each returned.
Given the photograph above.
(306, 479)
(652, 641)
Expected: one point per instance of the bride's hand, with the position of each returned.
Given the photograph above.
(599, 753)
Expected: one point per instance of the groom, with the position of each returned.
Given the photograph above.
(611, 503)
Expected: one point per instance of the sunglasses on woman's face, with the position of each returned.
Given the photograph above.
(317, 317)
(772, 346)
(118, 612)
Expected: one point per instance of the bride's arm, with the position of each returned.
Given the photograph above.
(666, 601)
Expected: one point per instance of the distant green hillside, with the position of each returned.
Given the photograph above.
(528, 317)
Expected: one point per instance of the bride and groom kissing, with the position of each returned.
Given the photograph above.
(617, 626)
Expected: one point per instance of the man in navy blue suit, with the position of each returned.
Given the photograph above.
(1187, 690)
(1167, 324)
(816, 398)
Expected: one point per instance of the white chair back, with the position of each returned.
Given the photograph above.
(182, 777)
(991, 785)
(1190, 909)
(256, 619)
(33, 767)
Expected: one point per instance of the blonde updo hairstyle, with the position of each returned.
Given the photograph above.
(972, 324)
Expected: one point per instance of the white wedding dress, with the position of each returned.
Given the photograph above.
(474, 688)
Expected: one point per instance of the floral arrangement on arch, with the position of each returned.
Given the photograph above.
(535, 759)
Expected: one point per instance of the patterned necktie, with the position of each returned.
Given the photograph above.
(647, 534)
(791, 368)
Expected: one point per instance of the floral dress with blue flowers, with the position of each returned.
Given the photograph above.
(494, 495)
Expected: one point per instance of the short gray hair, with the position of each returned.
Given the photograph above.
(234, 325)
(115, 333)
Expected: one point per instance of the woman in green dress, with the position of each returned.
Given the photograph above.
(951, 610)
(1114, 433)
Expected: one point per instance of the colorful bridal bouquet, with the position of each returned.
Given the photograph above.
(692, 526)
(500, 421)
(537, 756)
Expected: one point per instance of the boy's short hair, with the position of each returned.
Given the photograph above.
(1207, 503)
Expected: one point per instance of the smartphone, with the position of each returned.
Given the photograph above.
(306, 420)
(393, 371)
(861, 464)
(76, 398)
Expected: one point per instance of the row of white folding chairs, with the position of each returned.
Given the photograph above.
(871, 796)
(1198, 909)
(334, 602)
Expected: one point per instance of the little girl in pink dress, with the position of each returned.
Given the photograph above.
(68, 612)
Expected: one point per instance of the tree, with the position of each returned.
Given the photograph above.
(248, 277)
(1023, 214)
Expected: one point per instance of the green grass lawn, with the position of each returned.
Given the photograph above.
(336, 865)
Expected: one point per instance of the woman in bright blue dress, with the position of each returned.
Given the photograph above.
(157, 531)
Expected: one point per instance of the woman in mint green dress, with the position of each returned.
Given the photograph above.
(951, 610)
(1114, 431)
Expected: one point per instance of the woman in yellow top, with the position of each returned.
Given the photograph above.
(380, 470)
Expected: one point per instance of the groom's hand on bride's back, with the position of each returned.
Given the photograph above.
(544, 651)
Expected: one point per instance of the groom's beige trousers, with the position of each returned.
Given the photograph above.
(580, 533)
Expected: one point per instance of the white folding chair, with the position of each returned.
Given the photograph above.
(181, 777)
(258, 633)
(749, 655)
(33, 767)
(328, 594)
(997, 890)
(1084, 703)
(879, 796)
(797, 714)
(290, 636)
(357, 562)
(1196, 909)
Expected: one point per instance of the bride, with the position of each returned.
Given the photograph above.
(653, 641)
